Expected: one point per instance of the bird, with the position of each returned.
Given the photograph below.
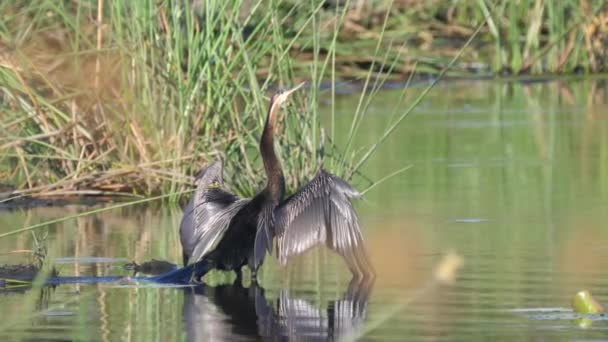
(221, 231)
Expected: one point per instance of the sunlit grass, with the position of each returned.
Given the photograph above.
(139, 102)
(137, 105)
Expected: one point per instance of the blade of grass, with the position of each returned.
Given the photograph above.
(415, 103)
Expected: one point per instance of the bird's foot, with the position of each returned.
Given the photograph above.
(196, 280)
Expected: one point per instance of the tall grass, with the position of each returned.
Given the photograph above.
(145, 96)
(103, 97)
(546, 36)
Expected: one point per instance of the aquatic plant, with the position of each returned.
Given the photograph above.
(141, 99)
(108, 105)
(106, 98)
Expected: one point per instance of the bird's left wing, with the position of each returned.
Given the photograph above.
(213, 224)
(321, 212)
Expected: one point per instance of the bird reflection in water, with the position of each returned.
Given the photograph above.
(233, 312)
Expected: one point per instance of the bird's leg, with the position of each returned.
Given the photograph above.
(185, 258)
(201, 268)
(239, 276)
(253, 269)
(196, 280)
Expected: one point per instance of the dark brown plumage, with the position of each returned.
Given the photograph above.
(221, 231)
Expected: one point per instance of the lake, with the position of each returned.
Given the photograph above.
(512, 177)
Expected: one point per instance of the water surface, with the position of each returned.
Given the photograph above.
(513, 177)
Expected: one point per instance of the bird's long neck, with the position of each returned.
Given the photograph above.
(276, 183)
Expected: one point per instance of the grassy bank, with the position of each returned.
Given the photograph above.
(105, 97)
(142, 99)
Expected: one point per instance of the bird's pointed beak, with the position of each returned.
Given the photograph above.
(282, 97)
(289, 91)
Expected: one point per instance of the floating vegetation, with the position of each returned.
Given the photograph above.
(152, 267)
(583, 302)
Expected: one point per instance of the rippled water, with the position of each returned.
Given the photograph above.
(512, 177)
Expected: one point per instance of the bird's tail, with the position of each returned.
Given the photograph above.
(183, 275)
(179, 276)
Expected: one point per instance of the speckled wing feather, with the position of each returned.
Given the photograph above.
(213, 211)
(321, 212)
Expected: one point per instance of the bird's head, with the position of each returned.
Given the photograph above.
(210, 176)
(279, 98)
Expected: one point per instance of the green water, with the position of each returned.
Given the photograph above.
(511, 177)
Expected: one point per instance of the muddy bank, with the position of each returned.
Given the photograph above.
(20, 276)
(19, 273)
(10, 200)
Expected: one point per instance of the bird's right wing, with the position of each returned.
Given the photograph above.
(321, 212)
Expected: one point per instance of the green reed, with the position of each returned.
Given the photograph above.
(117, 97)
(168, 88)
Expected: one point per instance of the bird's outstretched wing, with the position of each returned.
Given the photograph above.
(212, 221)
(209, 198)
(196, 222)
(321, 212)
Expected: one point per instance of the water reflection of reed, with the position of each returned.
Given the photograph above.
(135, 233)
(231, 312)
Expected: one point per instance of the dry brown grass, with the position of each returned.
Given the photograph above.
(95, 104)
